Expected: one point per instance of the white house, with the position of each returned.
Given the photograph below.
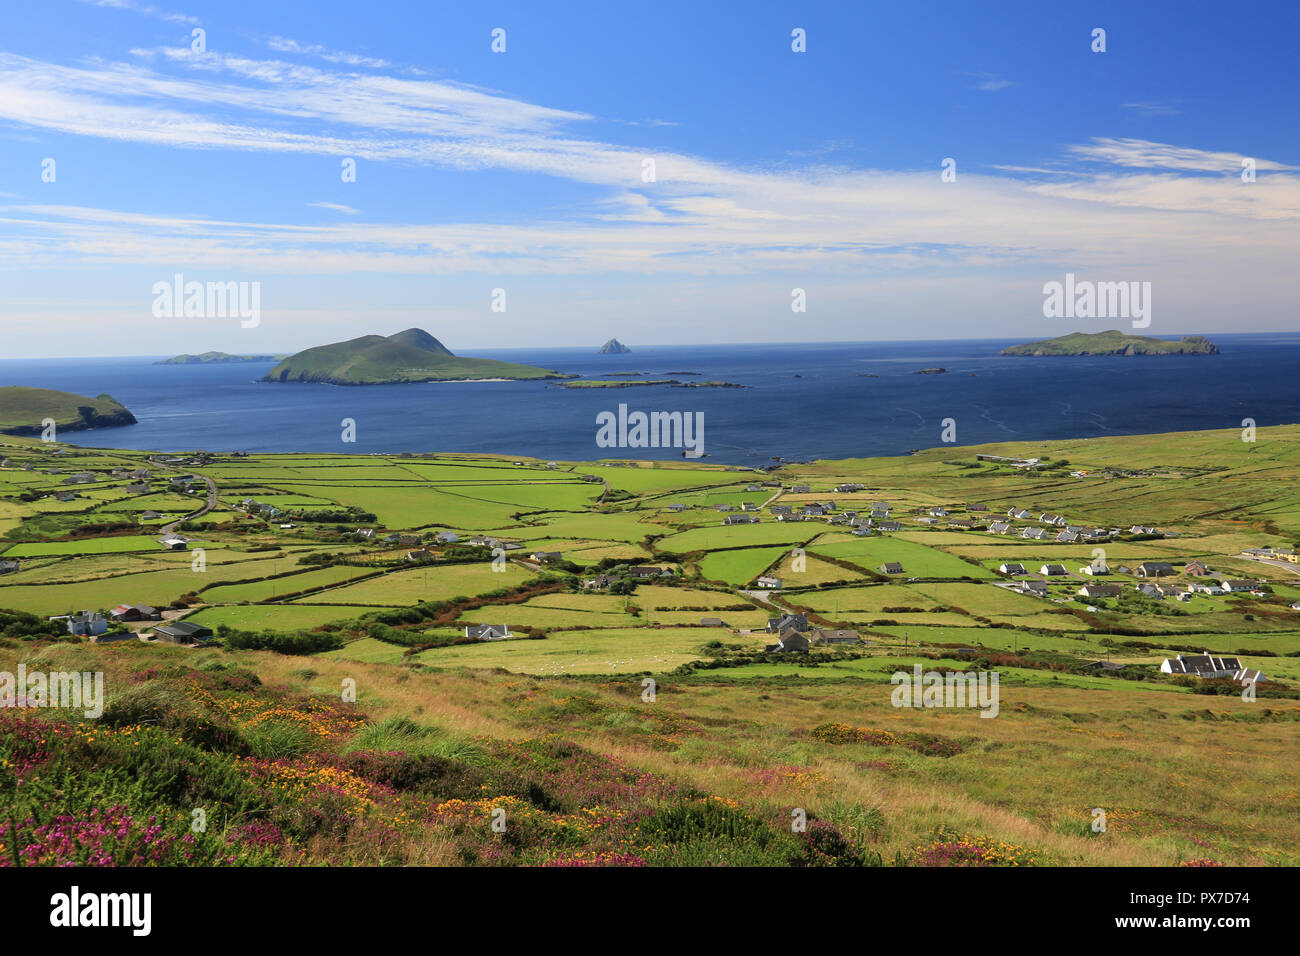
(1094, 569)
(767, 581)
(487, 632)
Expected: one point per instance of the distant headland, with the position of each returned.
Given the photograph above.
(24, 411)
(613, 347)
(218, 358)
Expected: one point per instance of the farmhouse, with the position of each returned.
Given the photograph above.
(1092, 570)
(790, 641)
(1018, 513)
(1068, 537)
(446, 537)
(1237, 586)
(1196, 568)
(891, 567)
(849, 487)
(1011, 568)
(890, 526)
(740, 519)
(1036, 534)
(420, 555)
(801, 489)
(767, 581)
(1052, 570)
(87, 624)
(643, 572)
(1141, 529)
(938, 512)
(677, 506)
(1000, 527)
(712, 622)
(798, 622)
(182, 632)
(1033, 588)
(487, 632)
(1154, 569)
(977, 507)
(1104, 666)
(546, 557)
(8, 567)
(173, 542)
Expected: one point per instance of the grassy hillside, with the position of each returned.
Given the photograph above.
(410, 356)
(23, 409)
(1114, 342)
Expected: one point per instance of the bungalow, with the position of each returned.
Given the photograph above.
(889, 526)
(446, 537)
(1036, 534)
(891, 567)
(137, 488)
(87, 624)
(643, 572)
(420, 555)
(1099, 590)
(712, 622)
(1208, 666)
(1033, 588)
(801, 489)
(767, 581)
(545, 557)
(1208, 589)
(1172, 590)
(790, 641)
(182, 632)
(1000, 527)
(748, 506)
(724, 507)
(849, 487)
(798, 622)
(927, 520)
(822, 635)
(1253, 587)
(1052, 570)
(740, 519)
(880, 509)
(149, 516)
(1154, 569)
(814, 510)
(487, 632)
(1012, 568)
(977, 507)
(1141, 529)
(173, 542)
(938, 512)
(134, 612)
(1093, 570)
(753, 487)
(1020, 513)
(8, 567)
(966, 524)
(677, 506)
(781, 510)
(598, 583)
(1068, 537)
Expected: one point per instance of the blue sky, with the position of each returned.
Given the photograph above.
(522, 170)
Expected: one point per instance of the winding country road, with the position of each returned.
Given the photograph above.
(207, 506)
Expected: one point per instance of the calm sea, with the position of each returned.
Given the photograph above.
(803, 401)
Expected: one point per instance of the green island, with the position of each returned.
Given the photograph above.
(410, 356)
(1114, 342)
(24, 410)
(501, 619)
(218, 358)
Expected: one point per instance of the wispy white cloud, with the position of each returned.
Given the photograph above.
(989, 82)
(335, 206)
(1143, 154)
(143, 9)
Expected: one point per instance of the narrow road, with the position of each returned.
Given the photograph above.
(207, 506)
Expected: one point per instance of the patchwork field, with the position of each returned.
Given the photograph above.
(611, 673)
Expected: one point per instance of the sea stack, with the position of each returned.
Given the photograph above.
(614, 347)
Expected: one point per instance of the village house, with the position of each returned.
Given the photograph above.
(1020, 513)
(1068, 537)
(1093, 570)
(546, 557)
(712, 622)
(966, 524)
(977, 507)
(1035, 534)
(801, 489)
(1099, 591)
(927, 520)
(891, 567)
(446, 537)
(1011, 567)
(677, 506)
(740, 519)
(598, 583)
(420, 555)
(1000, 527)
(938, 512)
(8, 567)
(1032, 588)
(748, 506)
(889, 526)
(1154, 569)
(487, 632)
(849, 487)
(767, 581)
(643, 572)
(1196, 568)
(1052, 570)
(1250, 587)
(173, 542)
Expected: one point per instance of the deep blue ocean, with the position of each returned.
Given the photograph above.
(835, 400)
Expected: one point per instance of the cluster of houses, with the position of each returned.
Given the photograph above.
(638, 572)
(1149, 571)
(94, 625)
(795, 635)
